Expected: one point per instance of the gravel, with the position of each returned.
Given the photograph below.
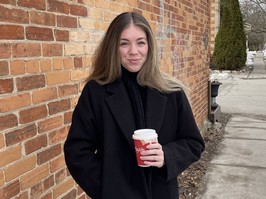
(191, 181)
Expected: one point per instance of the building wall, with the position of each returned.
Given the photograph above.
(215, 22)
(45, 53)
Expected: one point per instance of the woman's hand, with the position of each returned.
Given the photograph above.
(154, 156)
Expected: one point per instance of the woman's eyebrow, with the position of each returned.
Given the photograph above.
(137, 39)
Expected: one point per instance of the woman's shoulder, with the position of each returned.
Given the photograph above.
(92, 84)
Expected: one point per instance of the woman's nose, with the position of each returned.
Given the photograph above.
(133, 49)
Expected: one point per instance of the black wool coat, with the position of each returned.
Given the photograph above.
(99, 150)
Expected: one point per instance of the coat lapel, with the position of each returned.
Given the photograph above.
(155, 109)
(120, 106)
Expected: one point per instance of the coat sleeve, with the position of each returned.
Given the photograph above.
(188, 146)
(80, 148)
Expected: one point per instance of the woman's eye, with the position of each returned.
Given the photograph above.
(141, 43)
(123, 44)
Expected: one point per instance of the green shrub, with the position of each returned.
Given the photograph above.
(230, 42)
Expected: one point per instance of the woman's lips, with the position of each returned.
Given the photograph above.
(133, 61)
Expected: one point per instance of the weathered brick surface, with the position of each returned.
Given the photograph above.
(8, 121)
(6, 86)
(21, 134)
(49, 154)
(46, 52)
(30, 82)
(34, 176)
(35, 144)
(50, 124)
(26, 50)
(11, 32)
(37, 4)
(5, 50)
(14, 102)
(10, 155)
(4, 70)
(19, 168)
(36, 33)
(33, 114)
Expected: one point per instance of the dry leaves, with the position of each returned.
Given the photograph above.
(191, 181)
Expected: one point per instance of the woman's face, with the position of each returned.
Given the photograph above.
(133, 48)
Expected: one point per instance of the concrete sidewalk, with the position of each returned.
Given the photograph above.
(239, 171)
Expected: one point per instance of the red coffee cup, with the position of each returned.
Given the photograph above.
(142, 138)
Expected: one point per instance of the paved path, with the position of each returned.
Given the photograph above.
(239, 171)
(259, 64)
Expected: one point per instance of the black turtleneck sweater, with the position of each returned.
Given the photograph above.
(137, 96)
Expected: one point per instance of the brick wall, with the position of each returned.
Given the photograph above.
(45, 54)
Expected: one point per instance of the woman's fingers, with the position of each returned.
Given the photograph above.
(154, 156)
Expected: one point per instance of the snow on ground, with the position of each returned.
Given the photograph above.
(236, 75)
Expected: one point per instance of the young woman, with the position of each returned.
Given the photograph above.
(127, 91)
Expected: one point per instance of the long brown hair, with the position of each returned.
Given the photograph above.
(106, 65)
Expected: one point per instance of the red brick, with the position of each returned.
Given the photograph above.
(17, 67)
(61, 35)
(51, 50)
(20, 167)
(4, 69)
(36, 190)
(59, 106)
(2, 179)
(5, 50)
(71, 194)
(57, 163)
(57, 6)
(11, 32)
(48, 183)
(35, 144)
(42, 34)
(47, 196)
(57, 63)
(38, 4)
(67, 90)
(8, 121)
(20, 135)
(78, 10)
(66, 21)
(42, 18)
(32, 114)
(60, 176)
(46, 65)
(34, 176)
(63, 187)
(10, 190)
(41, 187)
(58, 135)
(6, 86)
(68, 63)
(57, 77)
(30, 82)
(13, 15)
(9, 155)
(50, 123)
(68, 117)
(49, 154)
(13, 2)
(26, 50)
(78, 62)
(33, 66)
(14, 102)
(43, 95)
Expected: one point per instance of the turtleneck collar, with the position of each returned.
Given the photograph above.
(127, 74)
